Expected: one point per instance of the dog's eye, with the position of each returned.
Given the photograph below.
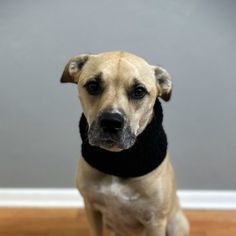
(138, 92)
(93, 88)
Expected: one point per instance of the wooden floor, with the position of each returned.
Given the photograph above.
(72, 222)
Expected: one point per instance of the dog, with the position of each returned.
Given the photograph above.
(125, 175)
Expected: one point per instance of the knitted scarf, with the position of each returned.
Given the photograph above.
(145, 155)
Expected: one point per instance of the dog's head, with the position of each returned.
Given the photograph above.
(117, 91)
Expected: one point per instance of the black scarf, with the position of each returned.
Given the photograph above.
(145, 155)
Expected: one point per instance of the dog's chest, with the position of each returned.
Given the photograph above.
(123, 208)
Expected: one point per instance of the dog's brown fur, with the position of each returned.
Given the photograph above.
(145, 205)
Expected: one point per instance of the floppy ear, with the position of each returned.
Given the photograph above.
(164, 82)
(73, 68)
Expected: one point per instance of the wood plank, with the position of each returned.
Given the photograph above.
(72, 222)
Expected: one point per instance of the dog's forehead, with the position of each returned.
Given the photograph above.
(120, 65)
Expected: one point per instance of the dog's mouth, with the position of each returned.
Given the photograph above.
(110, 145)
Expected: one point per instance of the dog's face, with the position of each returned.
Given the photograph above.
(117, 91)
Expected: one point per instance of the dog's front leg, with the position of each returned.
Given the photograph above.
(158, 229)
(95, 220)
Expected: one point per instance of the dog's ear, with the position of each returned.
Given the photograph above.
(73, 68)
(164, 82)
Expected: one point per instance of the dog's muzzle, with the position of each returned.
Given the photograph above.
(111, 131)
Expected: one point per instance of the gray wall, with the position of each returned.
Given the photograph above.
(195, 40)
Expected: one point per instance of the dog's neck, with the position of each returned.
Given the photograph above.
(146, 155)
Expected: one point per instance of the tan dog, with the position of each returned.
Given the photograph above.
(118, 91)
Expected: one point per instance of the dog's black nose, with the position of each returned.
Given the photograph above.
(111, 122)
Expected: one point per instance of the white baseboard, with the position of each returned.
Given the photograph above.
(69, 198)
(40, 198)
(208, 199)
